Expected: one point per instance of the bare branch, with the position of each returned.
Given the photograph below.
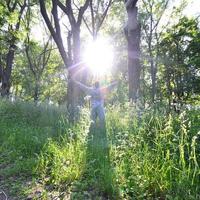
(56, 19)
(87, 26)
(81, 11)
(146, 7)
(104, 15)
(20, 15)
(57, 37)
(45, 51)
(67, 10)
(31, 65)
(158, 21)
(46, 18)
(92, 16)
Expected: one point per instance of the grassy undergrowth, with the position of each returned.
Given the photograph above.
(148, 155)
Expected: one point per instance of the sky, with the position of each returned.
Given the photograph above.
(193, 9)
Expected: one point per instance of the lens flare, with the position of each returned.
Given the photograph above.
(98, 56)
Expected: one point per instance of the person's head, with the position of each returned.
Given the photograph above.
(97, 84)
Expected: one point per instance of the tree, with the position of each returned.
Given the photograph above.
(151, 14)
(37, 58)
(98, 12)
(42, 83)
(75, 17)
(132, 32)
(180, 49)
(11, 18)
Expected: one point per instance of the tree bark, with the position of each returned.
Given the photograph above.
(6, 72)
(76, 44)
(153, 78)
(72, 59)
(132, 32)
(36, 91)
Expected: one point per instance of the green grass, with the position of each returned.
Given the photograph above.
(141, 155)
(157, 158)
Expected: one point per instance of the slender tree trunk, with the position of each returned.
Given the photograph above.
(36, 91)
(169, 90)
(153, 80)
(152, 63)
(132, 32)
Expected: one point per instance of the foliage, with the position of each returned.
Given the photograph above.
(52, 79)
(9, 31)
(180, 53)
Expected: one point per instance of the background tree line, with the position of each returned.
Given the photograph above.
(161, 64)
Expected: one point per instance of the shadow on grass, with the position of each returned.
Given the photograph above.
(98, 179)
(29, 145)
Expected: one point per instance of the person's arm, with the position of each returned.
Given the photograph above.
(82, 86)
(110, 87)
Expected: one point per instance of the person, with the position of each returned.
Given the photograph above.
(97, 95)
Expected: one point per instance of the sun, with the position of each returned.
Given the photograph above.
(98, 56)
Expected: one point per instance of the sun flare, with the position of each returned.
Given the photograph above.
(98, 56)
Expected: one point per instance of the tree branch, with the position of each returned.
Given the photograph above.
(46, 59)
(55, 17)
(20, 15)
(57, 38)
(87, 26)
(104, 14)
(67, 10)
(158, 21)
(92, 16)
(81, 11)
(46, 18)
(29, 59)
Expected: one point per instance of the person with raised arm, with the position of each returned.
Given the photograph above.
(97, 95)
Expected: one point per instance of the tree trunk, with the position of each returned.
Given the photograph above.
(74, 58)
(7, 69)
(169, 89)
(6, 72)
(75, 19)
(72, 97)
(72, 89)
(36, 91)
(81, 72)
(5, 87)
(69, 47)
(153, 79)
(132, 32)
(76, 44)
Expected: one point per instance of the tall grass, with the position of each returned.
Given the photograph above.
(157, 156)
(142, 154)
